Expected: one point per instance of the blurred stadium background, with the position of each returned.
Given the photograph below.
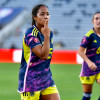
(70, 20)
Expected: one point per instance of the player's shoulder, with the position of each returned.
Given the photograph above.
(51, 31)
(29, 30)
(89, 33)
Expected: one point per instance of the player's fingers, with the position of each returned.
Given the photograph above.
(46, 23)
(94, 67)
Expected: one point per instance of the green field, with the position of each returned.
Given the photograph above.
(66, 78)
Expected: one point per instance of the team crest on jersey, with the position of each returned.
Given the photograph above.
(36, 40)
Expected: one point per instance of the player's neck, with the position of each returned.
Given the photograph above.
(97, 31)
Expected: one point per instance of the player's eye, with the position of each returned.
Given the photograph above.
(96, 18)
(48, 14)
(42, 14)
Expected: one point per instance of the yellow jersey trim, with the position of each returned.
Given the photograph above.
(26, 52)
(35, 32)
(89, 33)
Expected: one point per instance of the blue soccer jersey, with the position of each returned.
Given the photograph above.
(34, 74)
(91, 41)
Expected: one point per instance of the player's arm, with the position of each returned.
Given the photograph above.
(91, 65)
(43, 51)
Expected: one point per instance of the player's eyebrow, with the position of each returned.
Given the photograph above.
(97, 17)
(45, 12)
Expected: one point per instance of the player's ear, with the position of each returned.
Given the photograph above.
(92, 21)
(35, 18)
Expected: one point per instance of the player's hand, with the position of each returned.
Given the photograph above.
(92, 66)
(45, 30)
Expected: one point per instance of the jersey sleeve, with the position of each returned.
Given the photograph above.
(31, 40)
(86, 40)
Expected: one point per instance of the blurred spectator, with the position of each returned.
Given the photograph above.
(59, 44)
(55, 31)
(13, 46)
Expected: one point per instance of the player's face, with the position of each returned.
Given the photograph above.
(42, 15)
(96, 20)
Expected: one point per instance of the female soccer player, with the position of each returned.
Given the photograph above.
(35, 77)
(89, 50)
